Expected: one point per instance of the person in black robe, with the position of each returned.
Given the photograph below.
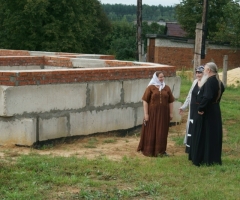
(206, 130)
(191, 103)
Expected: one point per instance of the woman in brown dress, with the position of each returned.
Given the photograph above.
(158, 108)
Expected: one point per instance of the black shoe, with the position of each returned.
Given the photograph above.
(163, 154)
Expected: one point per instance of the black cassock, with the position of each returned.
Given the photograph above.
(206, 130)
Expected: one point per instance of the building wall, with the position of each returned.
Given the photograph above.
(49, 97)
(181, 54)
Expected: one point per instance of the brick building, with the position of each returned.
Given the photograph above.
(176, 50)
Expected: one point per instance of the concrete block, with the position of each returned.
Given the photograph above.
(134, 89)
(53, 128)
(89, 56)
(140, 115)
(176, 116)
(29, 67)
(87, 63)
(105, 93)
(86, 123)
(43, 98)
(53, 67)
(169, 43)
(20, 131)
(41, 53)
(3, 100)
(175, 84)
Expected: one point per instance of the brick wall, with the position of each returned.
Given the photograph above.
(21, 60)
(57, 61)
(112, 70)
(174, 56)
(42, 77)
(181, 55)
(6, 52)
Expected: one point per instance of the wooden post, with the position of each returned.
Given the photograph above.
(197, 50)
(143, 55)
(204, 28)
(225, 66)
(139, 29)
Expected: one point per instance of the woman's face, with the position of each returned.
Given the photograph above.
(199, 75)
(161, 77)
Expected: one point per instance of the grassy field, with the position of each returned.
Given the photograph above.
(40, 177)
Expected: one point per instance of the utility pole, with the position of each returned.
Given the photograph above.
(197, 49)
(200, 38)
(139, 29)
(204, 27)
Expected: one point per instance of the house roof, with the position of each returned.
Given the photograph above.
(174, 29)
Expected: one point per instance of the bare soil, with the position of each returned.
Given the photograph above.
(114, 146)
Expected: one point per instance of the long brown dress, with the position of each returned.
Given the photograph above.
(153, 141)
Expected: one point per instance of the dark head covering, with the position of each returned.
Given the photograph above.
(200, 69)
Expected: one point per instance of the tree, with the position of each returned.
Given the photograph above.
(151, 28)
(229, 25)
(150, 13)
(50, 25)
(189, 13)
(122, 40)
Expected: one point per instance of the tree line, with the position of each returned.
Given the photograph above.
(149, 13)
(223, 19)
(76, 26)
(81, 26)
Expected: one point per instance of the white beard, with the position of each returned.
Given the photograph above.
(203, 80)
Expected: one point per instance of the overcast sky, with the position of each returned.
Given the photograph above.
(148, 2)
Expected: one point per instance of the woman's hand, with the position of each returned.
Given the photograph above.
(146, 117)
(171, 116)
(180, 111)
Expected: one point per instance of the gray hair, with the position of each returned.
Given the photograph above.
(214, 69)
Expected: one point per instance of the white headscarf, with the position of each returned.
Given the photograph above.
(155, 81)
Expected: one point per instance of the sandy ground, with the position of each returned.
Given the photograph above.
(233, 77)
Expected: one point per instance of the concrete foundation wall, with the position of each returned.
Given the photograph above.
(18, 131)
(43, 98)
(49, 95)
(39, 113)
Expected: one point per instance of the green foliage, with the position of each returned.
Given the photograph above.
(229, 25)
(122, 38)
(50, 25)
(189, 13)
(116, 12)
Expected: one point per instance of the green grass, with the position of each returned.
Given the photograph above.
(40, 177)
(111, 140)
(185, 86)
(92, 143)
